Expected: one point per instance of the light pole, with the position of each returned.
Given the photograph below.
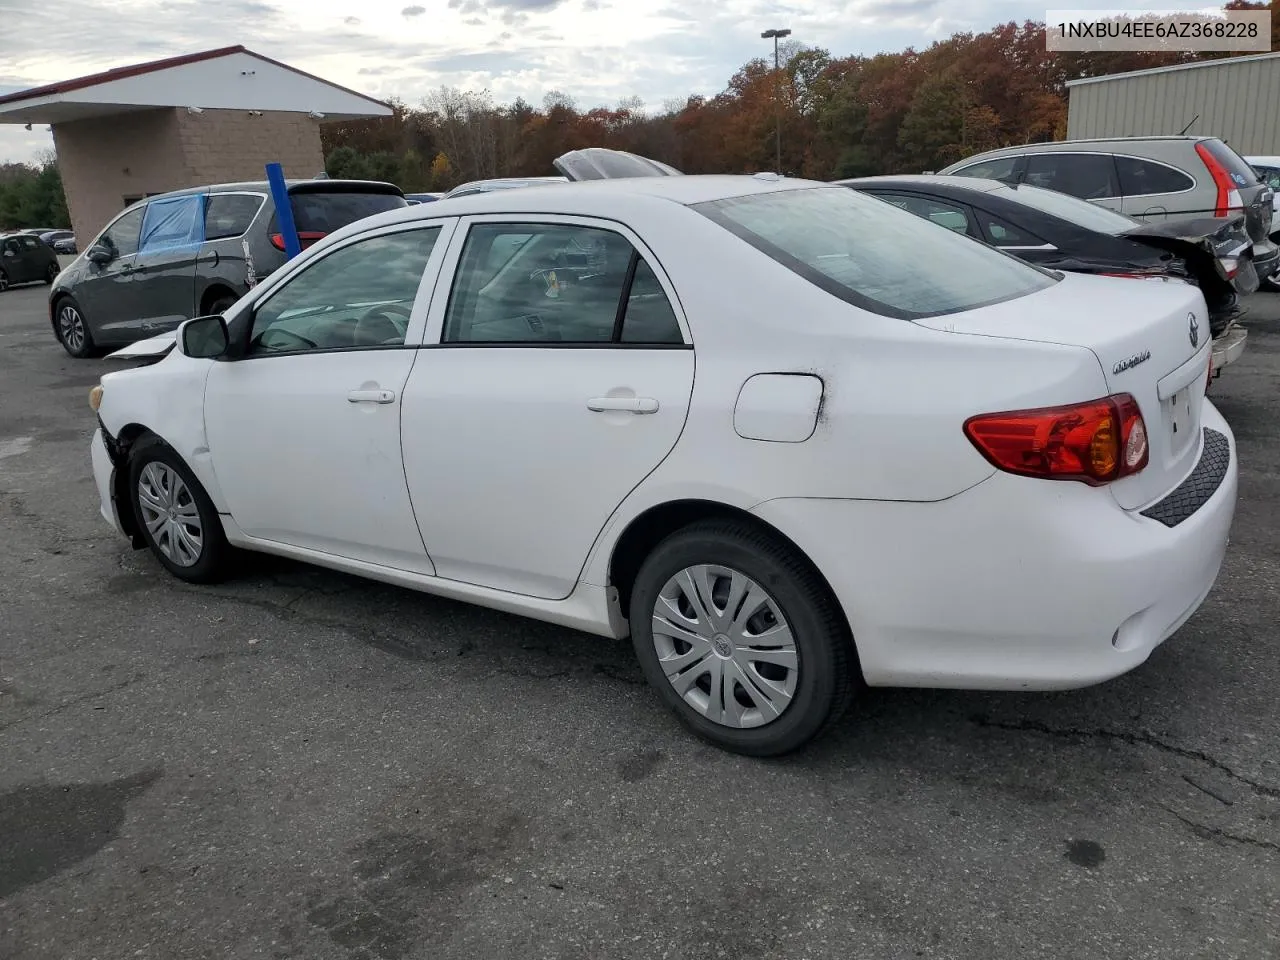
(775, 36)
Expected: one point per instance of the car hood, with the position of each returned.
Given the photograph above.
(153, 347)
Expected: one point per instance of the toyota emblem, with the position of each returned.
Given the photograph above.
(1195, 330)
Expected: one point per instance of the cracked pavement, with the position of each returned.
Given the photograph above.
(300, 764)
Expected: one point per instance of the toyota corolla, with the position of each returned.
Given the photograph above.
(739, 419)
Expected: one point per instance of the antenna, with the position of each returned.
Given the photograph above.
(1188, 126)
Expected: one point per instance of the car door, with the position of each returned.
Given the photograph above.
(303, 425)
(1089, 176)
(164, 269)
(35, 258)
(12, 260)
(224, 257)
(559, 378)
(1151, 189)
(106, 292)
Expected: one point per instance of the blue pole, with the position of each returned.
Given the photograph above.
(284, 210)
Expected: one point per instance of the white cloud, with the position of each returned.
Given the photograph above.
(598, 51)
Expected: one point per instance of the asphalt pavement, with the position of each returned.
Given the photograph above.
(301, 764)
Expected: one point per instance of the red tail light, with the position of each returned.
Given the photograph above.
(305, 239)
(1228, 196)
(1095, 442)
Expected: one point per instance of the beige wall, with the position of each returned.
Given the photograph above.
(1236, 100)
(105, 160)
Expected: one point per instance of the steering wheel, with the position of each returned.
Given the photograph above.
(385, 323)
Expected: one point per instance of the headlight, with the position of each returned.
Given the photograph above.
(95, 398)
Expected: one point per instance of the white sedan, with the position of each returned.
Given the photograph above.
(785, 436)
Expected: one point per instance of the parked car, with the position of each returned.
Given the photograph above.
(1268, 171)
(422, 197)
(1062, 232)
(24, 259)
(503, 183)
(67, 245)
(55, 238)
(969, 475)
(1151, 178)
(191, 253)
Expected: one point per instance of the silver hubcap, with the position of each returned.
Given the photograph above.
(71, 326)
(724, 645)
(170, 513)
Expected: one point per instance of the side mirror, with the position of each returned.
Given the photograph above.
(204, 337)
(99, 254)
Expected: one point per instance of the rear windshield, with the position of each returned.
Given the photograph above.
(875, 255)
(1239, 171)
(1066, 207)
(326, 212)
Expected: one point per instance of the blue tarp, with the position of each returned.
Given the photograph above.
(173, 224)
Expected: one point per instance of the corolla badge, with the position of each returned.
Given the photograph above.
(1128, 363)
(1193, 329)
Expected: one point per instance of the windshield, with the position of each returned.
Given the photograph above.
(1072, 209)
(873, 254)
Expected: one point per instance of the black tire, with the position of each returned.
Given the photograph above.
(827, 659)
(212, 561)
(4, 280)
(65, 327)
(51, 274)
(220, 305)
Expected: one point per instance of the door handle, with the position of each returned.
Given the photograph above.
(371, 396)
(624, 404)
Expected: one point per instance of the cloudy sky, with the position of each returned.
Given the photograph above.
(599, 51)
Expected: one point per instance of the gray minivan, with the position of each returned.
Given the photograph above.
(1150, 178)
(191, 253)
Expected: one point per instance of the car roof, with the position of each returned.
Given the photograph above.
(594, 197)
(978, 184)
(1051, 145)
(262, 186)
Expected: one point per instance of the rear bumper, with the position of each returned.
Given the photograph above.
(1015, 584)
(1266, 258)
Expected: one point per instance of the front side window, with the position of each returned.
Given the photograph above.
(555, 283)
(1089, 176)
(172, 223)
(869, 254)
(944, 214)
(359, 295)
(229, 214)
(1001, 168)
(121, 238)
(1270, 176)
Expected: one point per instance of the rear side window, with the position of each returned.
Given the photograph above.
(229, 214)
(30, 243)
(1001, 168)
(1005, 234)
(1139, 178)
(870, 254)
(321, 212)
(1236, 168)
(1089, 176)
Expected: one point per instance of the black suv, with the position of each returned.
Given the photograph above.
(25, 258)
(191, 253)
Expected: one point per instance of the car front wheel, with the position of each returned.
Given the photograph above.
(741, 638)
(73, 331)
(177, 519)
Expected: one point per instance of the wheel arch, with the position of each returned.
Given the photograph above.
(653, 525)
(214, 292)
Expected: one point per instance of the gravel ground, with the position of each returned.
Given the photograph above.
(300, 764)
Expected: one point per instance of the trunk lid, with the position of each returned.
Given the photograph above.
(1151, 338)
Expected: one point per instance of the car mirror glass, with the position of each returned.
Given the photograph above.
(204, 337)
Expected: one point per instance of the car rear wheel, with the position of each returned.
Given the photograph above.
(176, 517)
(4, 280)
(741, 638)
(73, 332)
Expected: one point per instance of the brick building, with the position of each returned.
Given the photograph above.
(210, 117)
